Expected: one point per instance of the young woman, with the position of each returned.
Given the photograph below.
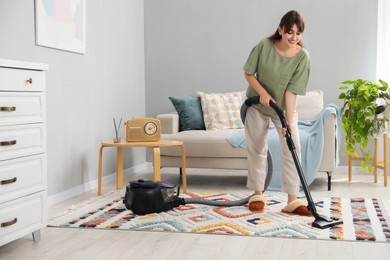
(277, 69)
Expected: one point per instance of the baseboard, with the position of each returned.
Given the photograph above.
(91, 185)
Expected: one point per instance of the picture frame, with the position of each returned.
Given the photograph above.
(61, 24)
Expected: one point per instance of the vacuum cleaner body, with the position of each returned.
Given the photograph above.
(144, 197)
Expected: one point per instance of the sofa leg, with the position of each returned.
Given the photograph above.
(329, 180)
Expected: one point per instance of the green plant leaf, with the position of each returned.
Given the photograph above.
(347, 82)
(360, 114)
(383, 83)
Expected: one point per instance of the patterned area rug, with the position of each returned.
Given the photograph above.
(364, 219)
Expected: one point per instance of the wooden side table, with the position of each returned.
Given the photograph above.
(381, 164)
(155, 146)
(376, 163)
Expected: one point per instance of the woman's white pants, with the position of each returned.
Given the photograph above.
(256, 131)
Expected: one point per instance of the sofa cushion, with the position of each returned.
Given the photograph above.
(190, 112)
(221, 110)
(310, 105)
(204, 143)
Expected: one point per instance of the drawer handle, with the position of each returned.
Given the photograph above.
(5, 143)
(7, 109)
(9, 223)
(29, 81)
(9, 181)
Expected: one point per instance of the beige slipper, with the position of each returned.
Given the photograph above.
(257, 203)
(297, 207)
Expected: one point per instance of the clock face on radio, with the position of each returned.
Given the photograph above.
(143, 129)
(150, 128)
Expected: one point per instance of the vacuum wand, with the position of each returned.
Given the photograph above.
(291, 147)
(320, 220)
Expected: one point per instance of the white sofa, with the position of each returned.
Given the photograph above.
(210, 149)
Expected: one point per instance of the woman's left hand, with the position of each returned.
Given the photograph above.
(284, 130)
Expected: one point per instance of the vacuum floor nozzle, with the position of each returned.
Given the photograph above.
(323, 222)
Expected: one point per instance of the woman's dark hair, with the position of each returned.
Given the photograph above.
(287, 22)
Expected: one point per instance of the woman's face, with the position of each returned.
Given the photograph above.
(291, 37)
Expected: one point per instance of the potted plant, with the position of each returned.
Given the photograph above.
(358, 114)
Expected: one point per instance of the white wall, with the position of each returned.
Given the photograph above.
(84, 92)
(202, 45)
(383, 52)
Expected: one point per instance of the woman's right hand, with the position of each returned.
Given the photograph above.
(265, 98)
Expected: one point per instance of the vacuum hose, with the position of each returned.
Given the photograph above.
(249, 102)
(217, 202)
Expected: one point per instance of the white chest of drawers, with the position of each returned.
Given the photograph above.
(23, 208)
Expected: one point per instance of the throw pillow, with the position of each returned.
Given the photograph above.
(221, 110)
(310, 105)
(190, 112)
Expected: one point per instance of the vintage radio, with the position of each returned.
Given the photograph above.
(143, 129)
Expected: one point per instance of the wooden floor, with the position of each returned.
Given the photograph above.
(62, 243)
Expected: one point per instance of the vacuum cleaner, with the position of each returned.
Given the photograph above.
(320, 221)
(144, 197)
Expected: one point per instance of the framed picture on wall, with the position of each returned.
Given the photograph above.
(60, 24)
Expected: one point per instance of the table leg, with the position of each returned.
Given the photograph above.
(119, 168)
(375, 160)
(100, 171)
(183, 168)
(350, 168)
(156, 164)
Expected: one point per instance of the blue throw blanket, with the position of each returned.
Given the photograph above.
(311, 133)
